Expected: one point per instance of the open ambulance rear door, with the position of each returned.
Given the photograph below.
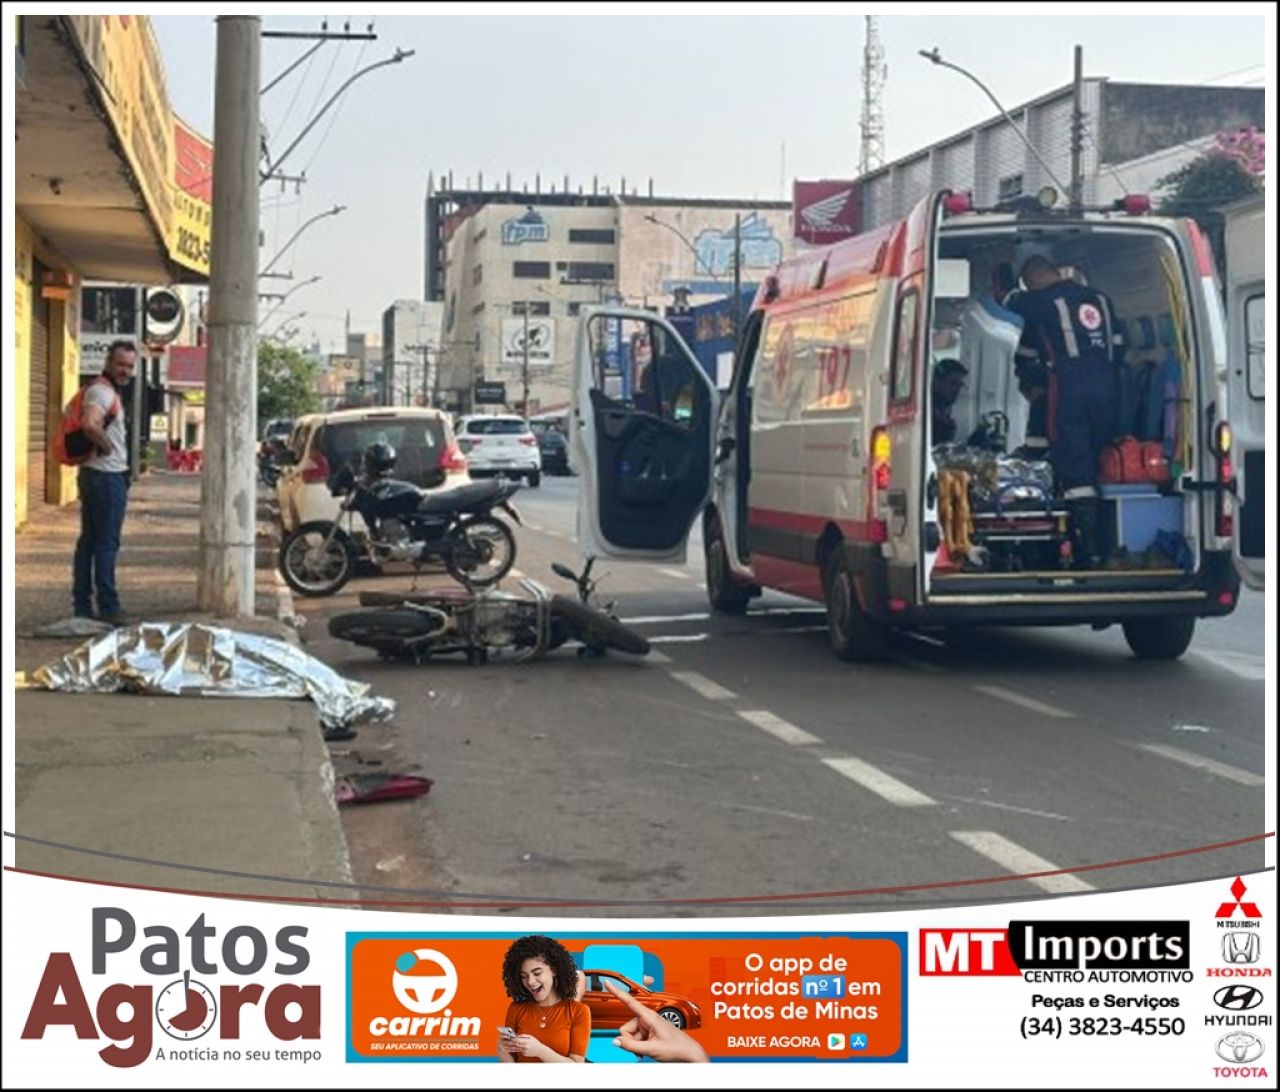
(641, 436)
(1246, 382)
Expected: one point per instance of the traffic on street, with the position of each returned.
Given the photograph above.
(739, 767)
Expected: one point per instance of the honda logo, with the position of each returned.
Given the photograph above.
(1238, 998)
(1240, 947)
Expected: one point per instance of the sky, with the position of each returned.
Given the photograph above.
(706, 101)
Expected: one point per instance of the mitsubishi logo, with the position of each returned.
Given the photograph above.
(1249, 909)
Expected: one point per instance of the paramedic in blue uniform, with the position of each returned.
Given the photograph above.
(1071, 329)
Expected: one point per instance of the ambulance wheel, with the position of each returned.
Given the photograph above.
(854, 635)
(726, 594)
(1159, 638)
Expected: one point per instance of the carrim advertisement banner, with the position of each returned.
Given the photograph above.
(1163, 987)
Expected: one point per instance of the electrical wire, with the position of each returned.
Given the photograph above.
(334, 117)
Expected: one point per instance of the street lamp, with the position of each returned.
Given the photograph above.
(294, 238)
(281, 297)
(936, 57)
(400, 55)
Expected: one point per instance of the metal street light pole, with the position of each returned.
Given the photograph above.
(399, 56)
(936, 58)
(281, 297)
(684, 239)
(294, 238)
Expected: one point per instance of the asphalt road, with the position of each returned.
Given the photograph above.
(744, 770)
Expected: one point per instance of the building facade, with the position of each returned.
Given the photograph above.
(514, 270)
(1133, 135)
(110, 185)
(412, 347)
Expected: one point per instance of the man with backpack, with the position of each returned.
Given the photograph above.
(103, 459)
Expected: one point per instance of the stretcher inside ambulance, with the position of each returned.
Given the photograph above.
(1041, 493)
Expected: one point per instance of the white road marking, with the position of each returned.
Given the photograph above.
(1014, 807)
(704, 686)
(702, 616)
(676, 573)
(1014, 698)
(1191, 728)
(1246, 665)
(657, 619)
(882, 784)
(995, 847)
(924, 639)
(679, 639)
(535, 527)
(658, 658)
(778, 728)
(1199, 762)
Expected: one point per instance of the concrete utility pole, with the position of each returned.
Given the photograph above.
(228, 502)
(1077, 131)
(524, 368)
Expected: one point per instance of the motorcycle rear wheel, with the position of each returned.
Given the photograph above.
(383, 630)
(482, 552)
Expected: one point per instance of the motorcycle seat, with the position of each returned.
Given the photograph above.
(463, 497)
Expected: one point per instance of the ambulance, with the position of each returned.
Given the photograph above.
(816, 473)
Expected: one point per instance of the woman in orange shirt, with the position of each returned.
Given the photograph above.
(550, 1026)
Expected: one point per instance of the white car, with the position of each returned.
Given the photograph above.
(427, 454)
(499, 444)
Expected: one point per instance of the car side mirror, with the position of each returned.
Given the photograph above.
(725, 448)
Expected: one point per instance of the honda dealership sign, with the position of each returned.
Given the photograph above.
(827, 211)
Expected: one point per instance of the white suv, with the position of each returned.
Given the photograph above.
(501, 445)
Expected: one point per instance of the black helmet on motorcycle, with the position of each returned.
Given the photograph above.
(379, 458)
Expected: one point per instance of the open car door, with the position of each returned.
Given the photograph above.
(641, 436)
(1246, 382)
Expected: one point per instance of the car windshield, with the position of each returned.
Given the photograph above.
(497, 427)
(551, 439)
(419, 442)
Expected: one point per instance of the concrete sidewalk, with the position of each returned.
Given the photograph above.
(221, 791)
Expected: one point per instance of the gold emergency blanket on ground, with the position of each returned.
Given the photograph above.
(192, 660)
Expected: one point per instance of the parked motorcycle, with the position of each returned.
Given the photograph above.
(453, 620)
(402, 523)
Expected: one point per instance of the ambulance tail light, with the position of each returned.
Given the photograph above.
(881, 448)
(1224, 518)
(957, 202)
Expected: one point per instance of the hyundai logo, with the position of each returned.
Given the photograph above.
(1239, 1047)
(1238, 998)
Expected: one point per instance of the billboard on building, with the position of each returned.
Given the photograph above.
(193, 198)
(541, 333)
(827, 211)
(664, 248)
(172, 163)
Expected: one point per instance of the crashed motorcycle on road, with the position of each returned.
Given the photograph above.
(401, 523)
(476, 624)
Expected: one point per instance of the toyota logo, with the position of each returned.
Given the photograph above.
(1239, 1047)
(1238, 998)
